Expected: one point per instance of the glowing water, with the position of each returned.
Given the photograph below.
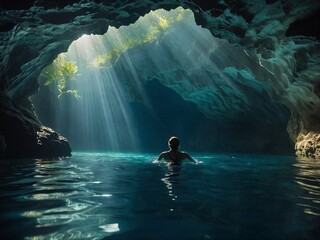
(126, 196)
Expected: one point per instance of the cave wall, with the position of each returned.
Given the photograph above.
(22, 135)
(33, 33)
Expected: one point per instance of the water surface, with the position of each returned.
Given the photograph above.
(126, 196)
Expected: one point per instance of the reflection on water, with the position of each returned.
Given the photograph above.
(58, 199)
(308, 177)
(126, 196)
(171, 179)
(58, 190)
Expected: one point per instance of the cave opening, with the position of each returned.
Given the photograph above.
(133, 87)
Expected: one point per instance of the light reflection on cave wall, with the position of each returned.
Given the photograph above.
(124, 106)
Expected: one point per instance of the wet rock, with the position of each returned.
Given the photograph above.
(308, 145)
(305, 132)
(51, 144)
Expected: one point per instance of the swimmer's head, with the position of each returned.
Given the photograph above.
(174, 143)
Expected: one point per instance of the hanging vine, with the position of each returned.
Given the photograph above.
(61, 72)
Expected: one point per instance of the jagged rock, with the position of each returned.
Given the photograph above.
(305, 131)
(308, 145)
(51, 144)
(23, 135)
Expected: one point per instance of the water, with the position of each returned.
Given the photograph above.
(126, 196)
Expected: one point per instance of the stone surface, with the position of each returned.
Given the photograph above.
(22, 136)
(305, 132)
(33, 33)
(51, 144)
(308, 145)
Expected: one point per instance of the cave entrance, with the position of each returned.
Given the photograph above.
(133, 87)
(98, 94)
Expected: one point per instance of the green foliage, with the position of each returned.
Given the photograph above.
(139, 33)
(61, 72)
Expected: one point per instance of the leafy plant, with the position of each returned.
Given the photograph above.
(61, 72)
(139, 33)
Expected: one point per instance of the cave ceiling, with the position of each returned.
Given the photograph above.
(279, 38)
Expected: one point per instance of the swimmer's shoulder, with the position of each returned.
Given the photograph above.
(164, 154)
(184, 154)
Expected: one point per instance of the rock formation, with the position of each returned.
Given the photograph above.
(276, 52)
(22, 136)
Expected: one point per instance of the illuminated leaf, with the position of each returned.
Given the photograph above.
(60, 72)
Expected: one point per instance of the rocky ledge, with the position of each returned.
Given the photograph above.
(305, 131)
(22, 136)
(308, 145)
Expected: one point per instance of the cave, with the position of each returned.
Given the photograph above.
(270, 64)
(229, 78)
(154, 87)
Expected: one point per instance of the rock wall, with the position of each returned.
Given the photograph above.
(305, 132)
(33, 33)
(22, 136)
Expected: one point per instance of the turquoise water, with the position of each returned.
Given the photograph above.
(126, 196)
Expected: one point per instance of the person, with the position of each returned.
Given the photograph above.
(174, 156)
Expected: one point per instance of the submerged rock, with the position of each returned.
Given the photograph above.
(24, 137)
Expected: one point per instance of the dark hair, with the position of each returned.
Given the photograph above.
(174, 143)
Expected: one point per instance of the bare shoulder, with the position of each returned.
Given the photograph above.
(186, 155)
(163, 154)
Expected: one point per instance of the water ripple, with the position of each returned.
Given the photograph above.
(308, 177)
(128, 197)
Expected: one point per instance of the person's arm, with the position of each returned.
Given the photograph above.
(159, 158)
(187, 156)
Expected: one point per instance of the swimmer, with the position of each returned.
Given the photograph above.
(174, 156)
